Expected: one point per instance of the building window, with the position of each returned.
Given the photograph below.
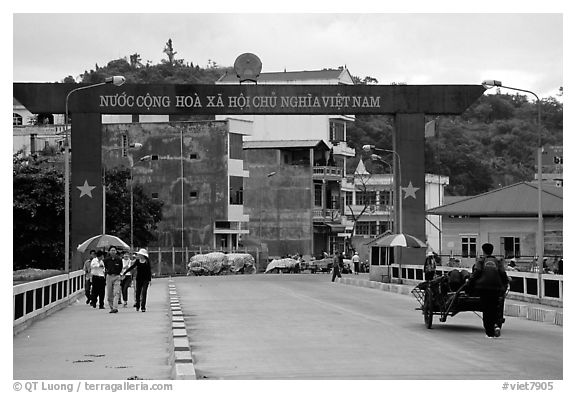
(373, 228)
(385, 198)
(384, 226)
(318, 195)
(222, 224)
(337, 129)
(362, 228)
(236, 146)
(124, 145)
(236, 190)
(468, 247)
(348, 196)
(365, 198)
(366, 228)
(16, 119)
(510, 246)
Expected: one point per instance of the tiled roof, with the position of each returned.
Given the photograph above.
(517, 200)
(289, 76)
(295, 144)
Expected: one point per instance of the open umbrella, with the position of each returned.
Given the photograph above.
(102, 241)
(400, 240)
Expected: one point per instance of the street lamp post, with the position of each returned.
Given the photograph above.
(117, 81)
(260, 210)
(398, 187)
(488, 84)
(182, 194)
(375, 157)
(145, 158)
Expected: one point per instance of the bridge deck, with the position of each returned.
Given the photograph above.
(80, 342)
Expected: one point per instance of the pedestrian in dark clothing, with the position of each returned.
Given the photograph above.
(88, 275)
(113, 268)
(143, 278)
(337, 265)
(429, 266)
(489, 281)
(98, 279)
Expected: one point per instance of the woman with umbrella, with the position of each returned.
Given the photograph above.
(143, 278)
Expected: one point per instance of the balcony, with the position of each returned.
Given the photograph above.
(327, 173)
(326, 215)
(373, 210)
(342, 149)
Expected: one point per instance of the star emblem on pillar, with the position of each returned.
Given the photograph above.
(410, 191)
(86, 189)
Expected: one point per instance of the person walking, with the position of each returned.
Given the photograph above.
(113, 268)
(337, 265)
(429, 266)
(98, 279)
(143, 277)
(489, 281)
(356, 261)
(88, 275)
(125, 278)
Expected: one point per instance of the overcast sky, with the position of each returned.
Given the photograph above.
(521, 50)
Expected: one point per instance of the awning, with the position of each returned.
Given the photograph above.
(337, 228)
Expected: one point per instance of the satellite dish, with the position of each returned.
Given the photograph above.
(247, 67)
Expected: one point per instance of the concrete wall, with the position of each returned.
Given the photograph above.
(280, 206)
(278, 127)
(207, 174)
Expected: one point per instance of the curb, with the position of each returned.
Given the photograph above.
(181, 357)
(530, 312)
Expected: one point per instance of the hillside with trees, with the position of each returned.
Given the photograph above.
(491, 145)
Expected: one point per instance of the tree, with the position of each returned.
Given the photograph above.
(135, 60)
(147, 211)
(170, 52)
(38, 209)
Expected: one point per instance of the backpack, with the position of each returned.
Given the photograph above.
(491, 273)
(490, 263)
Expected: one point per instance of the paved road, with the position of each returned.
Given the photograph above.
(305, 327)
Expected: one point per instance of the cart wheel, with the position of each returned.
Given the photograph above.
(428, 310)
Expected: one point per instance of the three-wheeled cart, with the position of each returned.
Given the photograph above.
(436, 298)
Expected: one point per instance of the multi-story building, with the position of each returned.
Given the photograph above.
(295, 140)
(284, 204)
(35, 134)
(195, 168)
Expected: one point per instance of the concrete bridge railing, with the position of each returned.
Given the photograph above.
(524, 285)
(36, 299)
